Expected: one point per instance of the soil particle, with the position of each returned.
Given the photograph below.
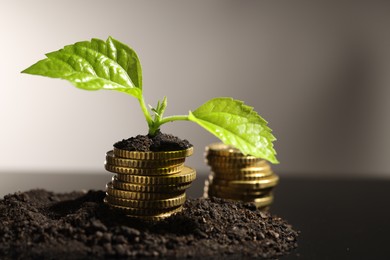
(43, 225)
(159, 142)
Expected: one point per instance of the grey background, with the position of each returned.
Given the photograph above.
(318, 72)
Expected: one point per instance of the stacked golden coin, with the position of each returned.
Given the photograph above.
(236, 176)
(148, 185)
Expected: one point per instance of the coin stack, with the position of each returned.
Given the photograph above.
(236, 176)
(148, 185)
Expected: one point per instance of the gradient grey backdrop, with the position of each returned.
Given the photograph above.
(319, 73)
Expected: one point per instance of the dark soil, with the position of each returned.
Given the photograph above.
(159, 142)
(43, 225)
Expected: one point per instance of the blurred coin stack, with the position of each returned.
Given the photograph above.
(238, 177)
(148, 185)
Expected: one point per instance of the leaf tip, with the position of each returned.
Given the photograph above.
(275, 161)
(29, 70)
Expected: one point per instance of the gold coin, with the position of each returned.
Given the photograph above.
(263, 202)
(171, 188)
(206, 189)
(143, 171)
(267, 182)
(266, 170)
(238, 193)
(234, 160)
(159, 216)
(147, 204)
(241, 177)
(220, 194)
(186, 175)
(142, 211)
(236, 165)
(210, 178)
(222, 149)
(259, 202)
(110, 190)
(133, 163)
(153, 155)
(241, 189)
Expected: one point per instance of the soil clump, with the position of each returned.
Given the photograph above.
(43, 225)
(159, 142)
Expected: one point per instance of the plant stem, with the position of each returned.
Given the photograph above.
(156, 125)
(173, 118)
(145, 110)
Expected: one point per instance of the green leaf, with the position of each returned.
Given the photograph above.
(94, 65)
(236, 124)
(159, 109)
(162, 106)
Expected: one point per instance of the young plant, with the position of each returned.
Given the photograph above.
(112, 65)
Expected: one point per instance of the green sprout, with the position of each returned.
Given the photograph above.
(112, 65)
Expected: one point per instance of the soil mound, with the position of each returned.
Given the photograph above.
(159, 142)
(43, 225)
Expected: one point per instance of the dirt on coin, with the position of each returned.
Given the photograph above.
(159, 142)
(43, 225)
